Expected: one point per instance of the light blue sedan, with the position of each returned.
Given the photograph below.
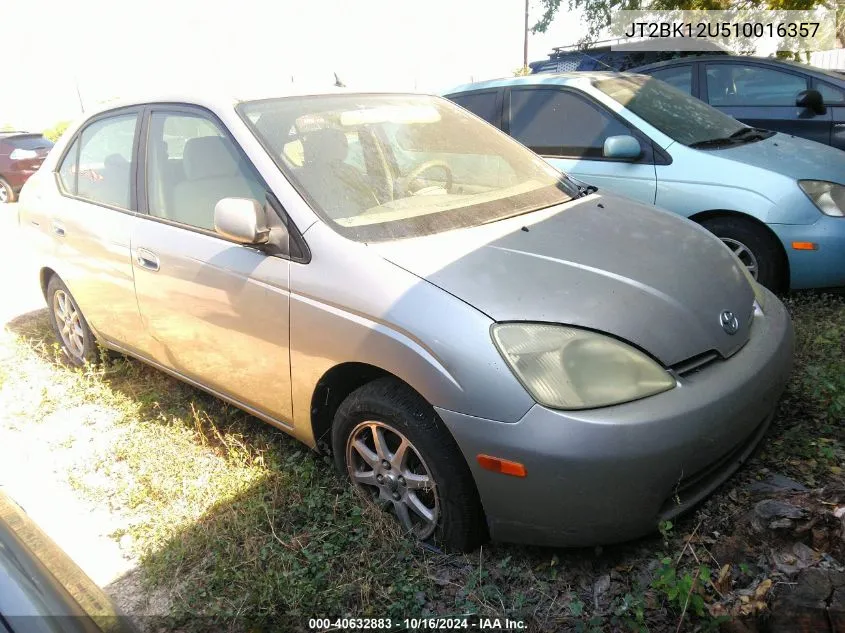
(777, 201)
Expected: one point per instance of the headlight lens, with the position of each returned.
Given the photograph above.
(568, 368)
(827, 196)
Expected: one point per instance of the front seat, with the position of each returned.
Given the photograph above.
(213, 171)
(340, 190)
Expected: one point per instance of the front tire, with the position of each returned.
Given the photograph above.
(7, 194)
(758, 249)
(75, 337)
(390, 442)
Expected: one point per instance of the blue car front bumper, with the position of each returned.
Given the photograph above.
(823, 267)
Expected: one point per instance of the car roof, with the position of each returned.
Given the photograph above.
(214, 98)
(573, 78)
(767, 61)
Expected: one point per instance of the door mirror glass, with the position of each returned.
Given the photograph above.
(812, 100)
(242, 220)
(623, 147)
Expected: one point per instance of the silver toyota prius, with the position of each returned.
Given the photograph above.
(486, 347)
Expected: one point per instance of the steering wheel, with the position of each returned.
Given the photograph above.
(405, 181)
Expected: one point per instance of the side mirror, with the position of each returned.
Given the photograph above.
(812, 100)
(623, 147)
(242, 220)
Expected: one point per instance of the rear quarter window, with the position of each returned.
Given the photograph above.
(28, 142)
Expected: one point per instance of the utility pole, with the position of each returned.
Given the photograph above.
(525, 39)
(78, 94)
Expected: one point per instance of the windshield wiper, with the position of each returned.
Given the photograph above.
(741, 136)
(586, 190)
(714, 142)
(749, 134)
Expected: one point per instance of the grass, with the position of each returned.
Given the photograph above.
(242, 528)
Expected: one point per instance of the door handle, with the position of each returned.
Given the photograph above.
(146, 259)
(58, 229)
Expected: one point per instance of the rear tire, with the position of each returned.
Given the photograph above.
(72, 332)
(433, 473)
(7, 194)
(758, 249)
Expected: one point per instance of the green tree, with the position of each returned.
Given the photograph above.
(56, 131)
(597, 12)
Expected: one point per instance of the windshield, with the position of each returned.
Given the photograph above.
(677, 114)
(381, 167)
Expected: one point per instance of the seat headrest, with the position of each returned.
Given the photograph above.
(208, 157)
(324, 146)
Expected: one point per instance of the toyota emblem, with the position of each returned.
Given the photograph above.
(729, 322)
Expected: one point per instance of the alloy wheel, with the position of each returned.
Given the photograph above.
(68, 320)
(744, 254)
(384, 463)
(4, 193)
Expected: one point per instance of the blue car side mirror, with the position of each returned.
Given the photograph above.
(622, 147)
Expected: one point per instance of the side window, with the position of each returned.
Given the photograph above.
(481, 104)
(191, 166)
(558, 123)
(67, 171)
(741, 85)
(104, 172)
(679, 77)
(830, 94)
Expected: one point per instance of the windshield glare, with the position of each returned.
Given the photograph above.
(675, 113)
(381, 167)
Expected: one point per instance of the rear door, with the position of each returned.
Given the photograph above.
(91, 223)
(763, 96)
(486, 104)
(568, 129)
(217, 311)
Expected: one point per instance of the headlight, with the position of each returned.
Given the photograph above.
(568, 368)
(827, 196)
(21, 154)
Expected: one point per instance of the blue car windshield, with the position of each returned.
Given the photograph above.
(675, 113)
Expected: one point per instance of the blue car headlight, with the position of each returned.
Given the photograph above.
(829, 197)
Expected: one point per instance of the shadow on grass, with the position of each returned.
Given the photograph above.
(295, 542)
(298, 542)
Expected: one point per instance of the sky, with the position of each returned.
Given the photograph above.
(121, 48)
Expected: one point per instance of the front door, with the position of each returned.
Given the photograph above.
(569, 131)
(217, 312)
(763, 97)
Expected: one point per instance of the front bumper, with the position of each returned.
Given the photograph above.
(611, 474)
(820, 268)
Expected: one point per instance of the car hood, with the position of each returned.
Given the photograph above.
(601, 262)
(791, 156)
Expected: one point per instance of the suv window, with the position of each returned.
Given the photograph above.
(746, 85)
(191, 166)
(481, 104)
(29, 142)
(679, 77)
(559, 123)
(830, 94)
(104, 167)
